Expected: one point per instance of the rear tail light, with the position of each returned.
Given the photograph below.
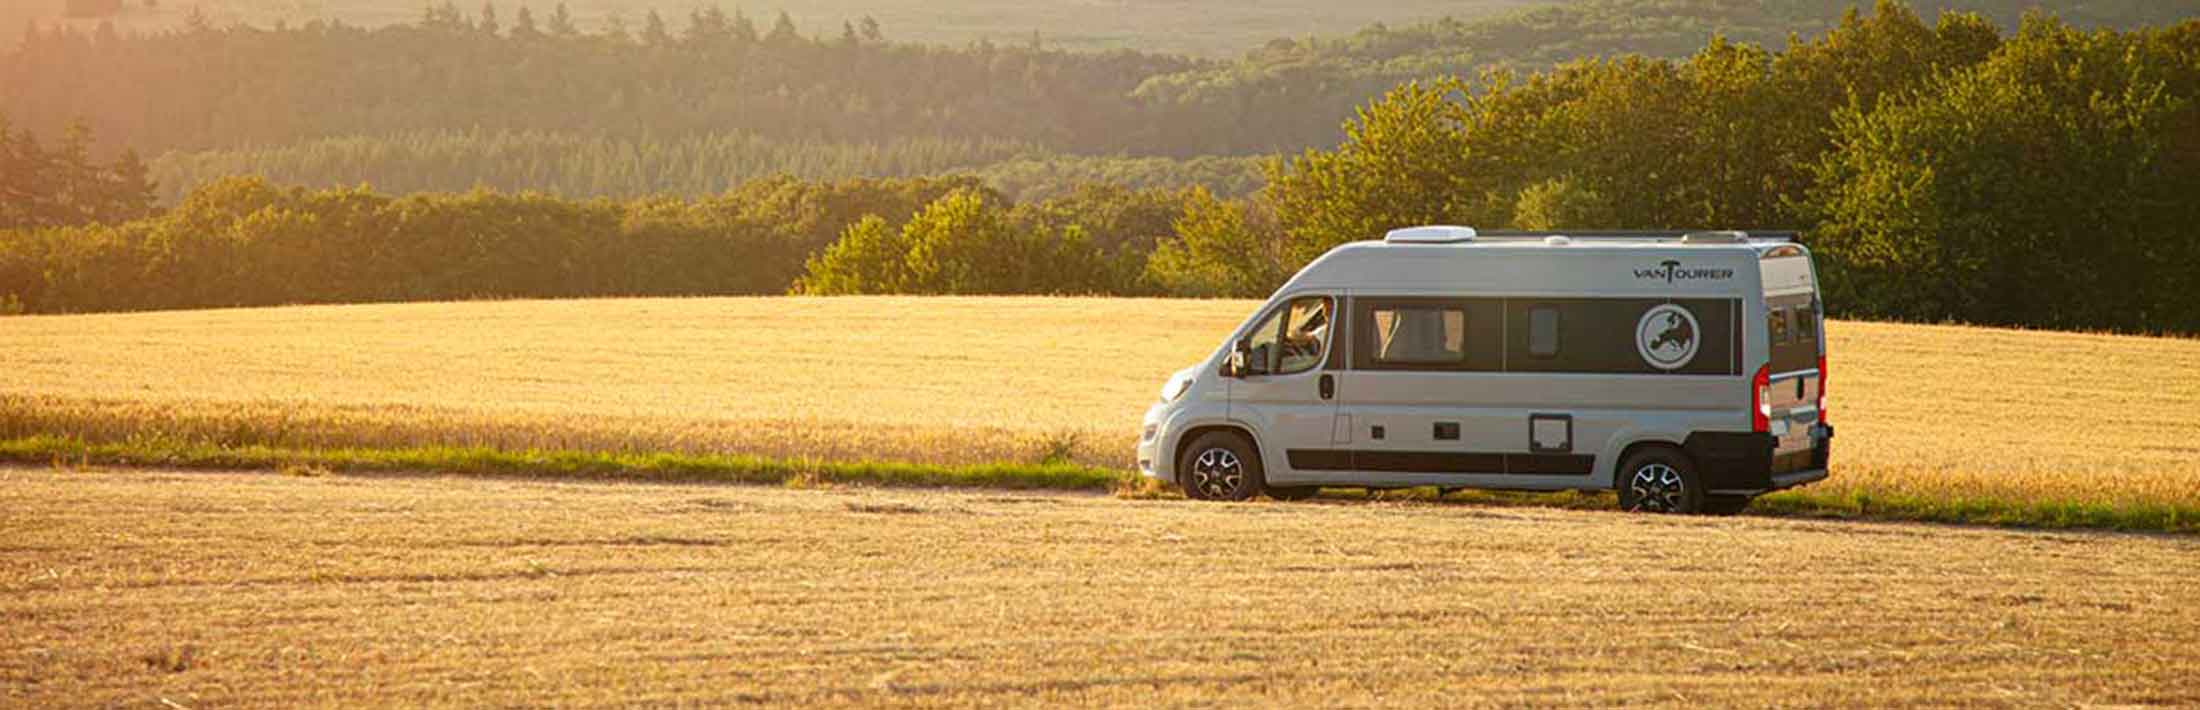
(1821, 389)
(1760, 400)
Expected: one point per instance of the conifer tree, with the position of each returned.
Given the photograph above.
(523, 24)
(561, 22)
(653, 30)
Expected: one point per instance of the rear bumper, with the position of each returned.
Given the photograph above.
(1746, 463)
(1797, 478)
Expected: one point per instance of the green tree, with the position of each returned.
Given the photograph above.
(965, 243)
(1217, 252)
(1560, 204)
(1403, 161)
(870, 257)
(2049, 186)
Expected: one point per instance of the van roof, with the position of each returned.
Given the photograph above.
(1618, 262)
(1448, 234)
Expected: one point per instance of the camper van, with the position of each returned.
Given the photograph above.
(1684, 370)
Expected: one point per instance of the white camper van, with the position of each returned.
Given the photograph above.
(1686, 371)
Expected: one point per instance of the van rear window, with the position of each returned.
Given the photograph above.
(1791, 328)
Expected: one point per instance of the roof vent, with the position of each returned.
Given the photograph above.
(1557, 240)
(1433, 234)
(1715, 238)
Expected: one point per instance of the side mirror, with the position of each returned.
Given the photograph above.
(1234, 365)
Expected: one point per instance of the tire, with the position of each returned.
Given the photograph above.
(1293, 492)
(1220, 465)
(1659, 480)
(1725, 505)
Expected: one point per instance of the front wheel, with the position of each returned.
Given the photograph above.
(1660, 480)
(1220, 465)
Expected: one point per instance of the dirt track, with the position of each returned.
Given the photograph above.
(260, 589)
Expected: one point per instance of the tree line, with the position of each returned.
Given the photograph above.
(583, 165)
(247, 242)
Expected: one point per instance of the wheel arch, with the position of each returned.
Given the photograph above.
(1640, 445)
(1184, 442)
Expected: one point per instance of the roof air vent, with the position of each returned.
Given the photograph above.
(1715, 238)
(1557, 240)
(1434, 234)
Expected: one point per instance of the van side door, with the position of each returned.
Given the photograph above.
(1414, 409)
(1286, 390)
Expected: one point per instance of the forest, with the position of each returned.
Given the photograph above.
(1955, 169)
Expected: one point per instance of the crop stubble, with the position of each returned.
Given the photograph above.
(258, 589)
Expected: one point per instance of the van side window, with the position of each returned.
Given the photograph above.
(1420, 335)
(1806, 324)
(1777, 320)
(1543, 331)
(1293, 339)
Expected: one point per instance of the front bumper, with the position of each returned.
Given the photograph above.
(1151, 463)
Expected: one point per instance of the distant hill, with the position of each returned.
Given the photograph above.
(862, 101)
(1210, 28)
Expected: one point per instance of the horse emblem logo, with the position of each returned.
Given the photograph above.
(1666, 336)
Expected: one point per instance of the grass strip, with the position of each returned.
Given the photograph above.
(580, 465)
(645, 466)
(2054, 515)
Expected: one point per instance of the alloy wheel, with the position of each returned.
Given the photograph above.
(1658, 488)
(1217, 472)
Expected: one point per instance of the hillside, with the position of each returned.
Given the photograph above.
(219, 88)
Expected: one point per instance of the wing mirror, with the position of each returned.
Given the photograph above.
(1234, 365)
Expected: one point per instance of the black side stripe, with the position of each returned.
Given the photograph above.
(1460, 462)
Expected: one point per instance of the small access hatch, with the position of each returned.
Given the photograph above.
(1551, 433)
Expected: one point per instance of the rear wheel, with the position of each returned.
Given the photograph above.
(1660, 480)
(1220, 465)
(1725, 505)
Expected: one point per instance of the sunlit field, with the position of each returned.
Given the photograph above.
(146, 588)
(1935, 411)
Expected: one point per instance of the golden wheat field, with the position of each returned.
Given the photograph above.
(145, 588)
(1936, 411)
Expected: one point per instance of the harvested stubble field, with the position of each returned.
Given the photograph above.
(216, 589)
(1934, 413)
